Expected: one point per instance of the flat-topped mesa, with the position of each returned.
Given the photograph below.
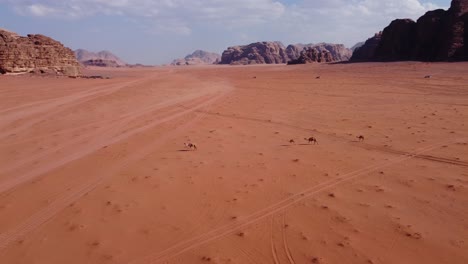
(276, 53)
(35, 53)
(439, 35)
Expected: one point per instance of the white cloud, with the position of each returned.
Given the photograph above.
(315, 20)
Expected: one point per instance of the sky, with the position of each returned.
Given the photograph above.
(157, 31)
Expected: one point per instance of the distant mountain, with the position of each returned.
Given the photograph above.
(276, 53)
(111, 59)
(439, 35)
(198, 57)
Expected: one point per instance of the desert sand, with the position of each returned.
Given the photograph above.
(95, 171)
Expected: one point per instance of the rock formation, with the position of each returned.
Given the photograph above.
(438, 35)
(198, 57)
(275, 53)
(35, 53)
(88, 58)
(101, 63)
(312, 54)
(255, 53)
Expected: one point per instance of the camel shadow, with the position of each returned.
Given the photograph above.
(183, 150)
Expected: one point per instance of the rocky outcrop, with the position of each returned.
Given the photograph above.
(105, 56)
(276, 53)
(255, 53)
(311, 54)
(198, 57)
(101, 63)
(338, 52)
(438, 35)
(35, 53)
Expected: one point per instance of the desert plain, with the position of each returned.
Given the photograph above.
(96, 171)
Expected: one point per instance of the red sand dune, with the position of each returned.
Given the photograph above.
(95, 171)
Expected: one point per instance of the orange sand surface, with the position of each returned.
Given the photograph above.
(95, 171)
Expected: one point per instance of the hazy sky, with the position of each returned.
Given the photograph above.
(157, 31)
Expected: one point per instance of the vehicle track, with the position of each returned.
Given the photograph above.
(46, 214)
(271, 210)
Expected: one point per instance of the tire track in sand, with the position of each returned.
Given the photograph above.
(99, 135)
(280, 206)
(47, 213)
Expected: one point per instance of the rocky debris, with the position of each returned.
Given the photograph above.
(198, 57)
(105, 56)
(101, 63)
(310, 55)
(276, 53)
(255, 53)
(35, 53)
(439, 35)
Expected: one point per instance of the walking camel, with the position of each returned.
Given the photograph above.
(360, 138)
(190, 145)
(311, 140)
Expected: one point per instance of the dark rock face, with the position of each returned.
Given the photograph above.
(276, 53)
(439, 35)
(101, 63)
(366, 51)
(397, 41)
(35, 53)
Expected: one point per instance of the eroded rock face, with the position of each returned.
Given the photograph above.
(439, 35)
(35, 53)
(276, 53)
(198, 57)
(311, 55)
(255, 53)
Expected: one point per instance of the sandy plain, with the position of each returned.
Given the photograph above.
(95, 171)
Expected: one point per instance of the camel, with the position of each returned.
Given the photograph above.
(427, 77)
(360, 137)
(292, 141)
(311, 140)
(190, 146)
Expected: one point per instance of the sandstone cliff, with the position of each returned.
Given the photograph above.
(105, 56)
(255, 53)
(198, 57)
(35, 53)
(276, 53)
(311, 54)
(438, 35)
